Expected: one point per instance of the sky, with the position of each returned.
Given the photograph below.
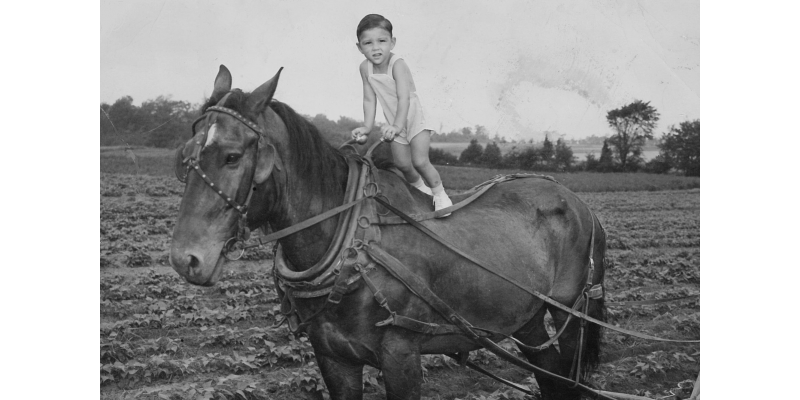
(519, 68)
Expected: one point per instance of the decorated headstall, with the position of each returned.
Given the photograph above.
(188, 159)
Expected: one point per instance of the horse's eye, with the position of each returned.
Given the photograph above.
(232, 158)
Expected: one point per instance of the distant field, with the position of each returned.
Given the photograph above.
(579, 151)
(462, 178)
(159, 162)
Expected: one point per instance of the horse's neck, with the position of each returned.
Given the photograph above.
(301, 200)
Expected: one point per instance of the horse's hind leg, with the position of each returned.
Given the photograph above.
(343, 380)
(533, 334)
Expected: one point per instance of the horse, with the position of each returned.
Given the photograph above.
(258, 163)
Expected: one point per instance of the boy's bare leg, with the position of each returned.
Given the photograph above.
(402, 160)
(420, 145)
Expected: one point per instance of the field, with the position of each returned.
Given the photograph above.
(159, 162)
(163, 338)
(579, 151)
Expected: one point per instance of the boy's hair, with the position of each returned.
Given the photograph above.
(373, 21)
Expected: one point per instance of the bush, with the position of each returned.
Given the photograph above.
(472, 153)
(491, 157)
(441, 157)
(658, 165)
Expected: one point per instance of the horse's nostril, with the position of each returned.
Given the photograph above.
(193, 262)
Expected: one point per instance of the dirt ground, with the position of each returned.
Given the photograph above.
(163, 338)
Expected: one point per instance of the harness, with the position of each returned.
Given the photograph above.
(339, 270)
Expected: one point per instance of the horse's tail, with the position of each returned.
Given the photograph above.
(597, 307)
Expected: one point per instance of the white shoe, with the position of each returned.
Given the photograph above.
(440, 202)
(425, 189)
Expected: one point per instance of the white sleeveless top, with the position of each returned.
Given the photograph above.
(385, 88)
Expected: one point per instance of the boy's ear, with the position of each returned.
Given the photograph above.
(394, 42)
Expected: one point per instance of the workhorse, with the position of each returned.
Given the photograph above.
(253, 162)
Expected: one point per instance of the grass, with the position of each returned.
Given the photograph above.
(160, 162)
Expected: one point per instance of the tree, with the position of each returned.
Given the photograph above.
(680, 148)
(547, 150)
(591, 164)
(491, 155)
(528, 158)
(563, 155)
(165, 122)
(481, 133)
(634, 124)
(472, 153)
(123, 113)
(606, 162)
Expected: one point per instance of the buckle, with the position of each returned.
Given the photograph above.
(596, 292)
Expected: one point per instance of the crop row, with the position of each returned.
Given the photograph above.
(149, 360)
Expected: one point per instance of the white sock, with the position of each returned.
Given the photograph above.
(421, 186)
(438, 190)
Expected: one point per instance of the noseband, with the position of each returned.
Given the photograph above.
(192, 162)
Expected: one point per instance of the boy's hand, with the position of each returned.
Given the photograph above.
(389, 132)
(360, 134)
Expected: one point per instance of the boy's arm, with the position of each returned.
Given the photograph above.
(369, 98)
(402, 75)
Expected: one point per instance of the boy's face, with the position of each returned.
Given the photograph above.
(375, 44)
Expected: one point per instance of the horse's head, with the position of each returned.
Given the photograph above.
(228, 156)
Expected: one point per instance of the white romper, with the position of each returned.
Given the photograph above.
(385, 89)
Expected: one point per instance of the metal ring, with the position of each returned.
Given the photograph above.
(365, 226)
(229, 247)
(369, 193)
(350, 252)
(388, 201)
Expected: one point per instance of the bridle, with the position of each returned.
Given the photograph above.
(192, 162)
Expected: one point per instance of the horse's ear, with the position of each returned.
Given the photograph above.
(260, 98)
(267, 160)
(180, 168)
(222, 84)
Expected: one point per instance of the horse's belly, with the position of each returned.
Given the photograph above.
(447, 344)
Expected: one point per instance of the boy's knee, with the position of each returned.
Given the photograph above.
(405, 168)
(421, 163)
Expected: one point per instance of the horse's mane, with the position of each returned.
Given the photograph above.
(314, 156)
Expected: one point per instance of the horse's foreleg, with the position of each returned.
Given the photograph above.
(533, 334)
(343, 380)
(400, 363)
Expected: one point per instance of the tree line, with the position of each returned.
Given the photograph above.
(633, 125)
(164, 122)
